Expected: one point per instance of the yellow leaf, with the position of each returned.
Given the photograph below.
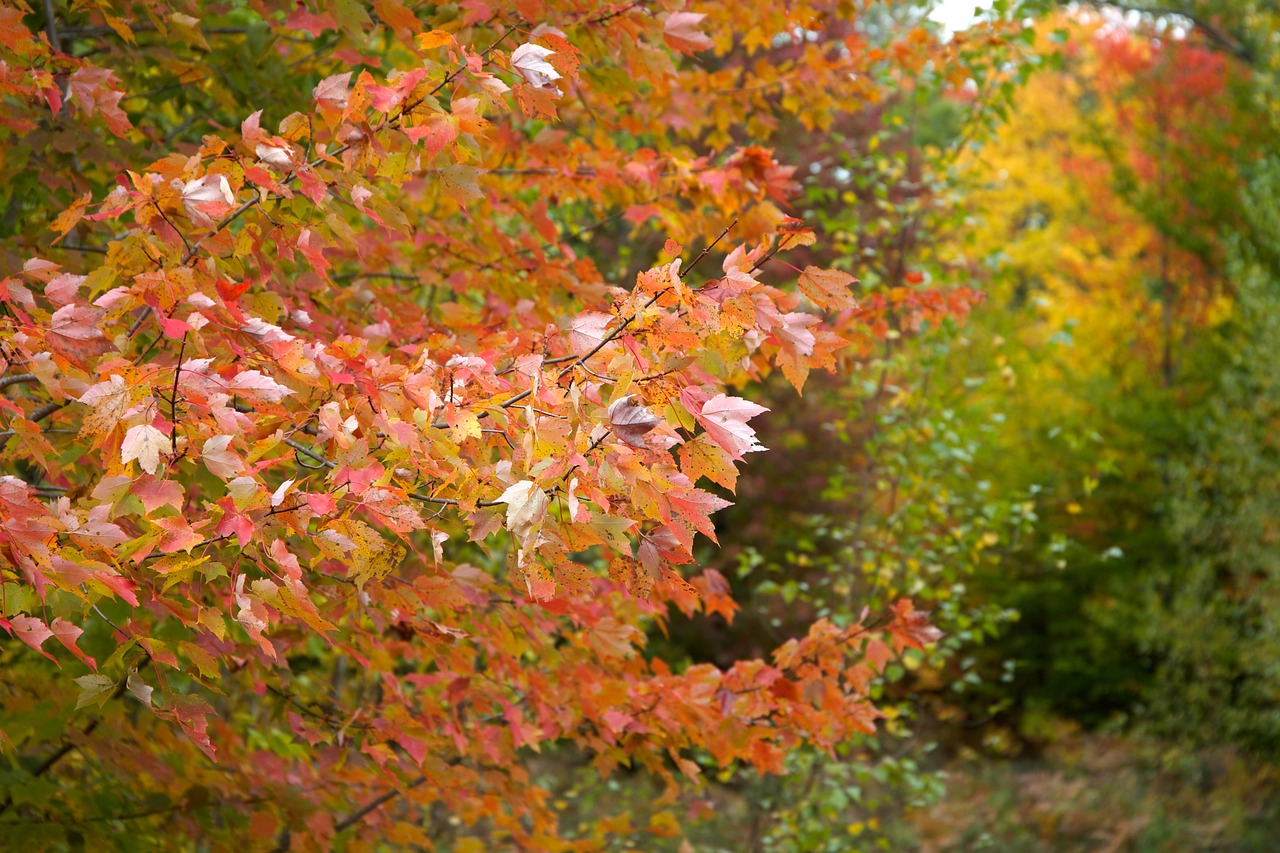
(434, 39)
(69, 218)
(466, 425)
(704, 458)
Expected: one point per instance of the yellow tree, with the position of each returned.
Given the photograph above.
(1100, 208)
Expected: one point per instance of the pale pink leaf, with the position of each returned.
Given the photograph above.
(33, 632)
(144, 443)
(274, 155)
(254, 383)
(67, 634)
(208, 199)
(588, 330)
(795, 333)
(139, 688)
(220, 461)
(333, 91)
(681, 32)
(725, 420)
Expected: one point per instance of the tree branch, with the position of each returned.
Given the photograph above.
(374, 804)
(17, 379)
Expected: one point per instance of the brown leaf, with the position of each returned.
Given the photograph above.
(631, 421)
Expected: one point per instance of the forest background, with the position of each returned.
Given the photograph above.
(366, 427)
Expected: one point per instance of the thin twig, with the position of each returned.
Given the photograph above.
(374, 804)
(51, 27)
(173, 398)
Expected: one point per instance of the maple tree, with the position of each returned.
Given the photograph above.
(342, 476)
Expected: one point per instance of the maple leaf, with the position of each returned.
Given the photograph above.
(610, 637)
(634, 575)
(702, 457)
(333, 92)
(794, 232)
(95, 690)
(191, 713)
(716, 594)
(178, 535)
(436, 134)
(252, 616)
(208, 199)
(681, 33)
(691, 510)
(67, 219)
(725, 420)
(96, 91)
(433, 39)
(371, 556)
(392, 510)
(67, 634)
(109, 401)
(95, 531)
(254, 383)
(385, 98)
(303, 19)
(631, 421)
(13, 34)
(828, 289)
(139, 689)
(459, 182)
(538, 582)
(588, 330)
(526, 505)
(220, 461)
(910, 628)
(62, 289)
(277, 156)
(73, 332)
(794, 331)
(155, 493)
(531, 61)
(29, 630)
(144, 443)
(535, 102)
(281, 492)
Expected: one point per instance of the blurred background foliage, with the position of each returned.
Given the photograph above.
(1080, 479)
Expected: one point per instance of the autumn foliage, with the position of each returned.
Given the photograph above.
(343, 474)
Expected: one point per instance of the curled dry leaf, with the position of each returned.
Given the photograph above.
(631, 421)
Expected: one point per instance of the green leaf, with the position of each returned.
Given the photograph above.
(95, 690)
